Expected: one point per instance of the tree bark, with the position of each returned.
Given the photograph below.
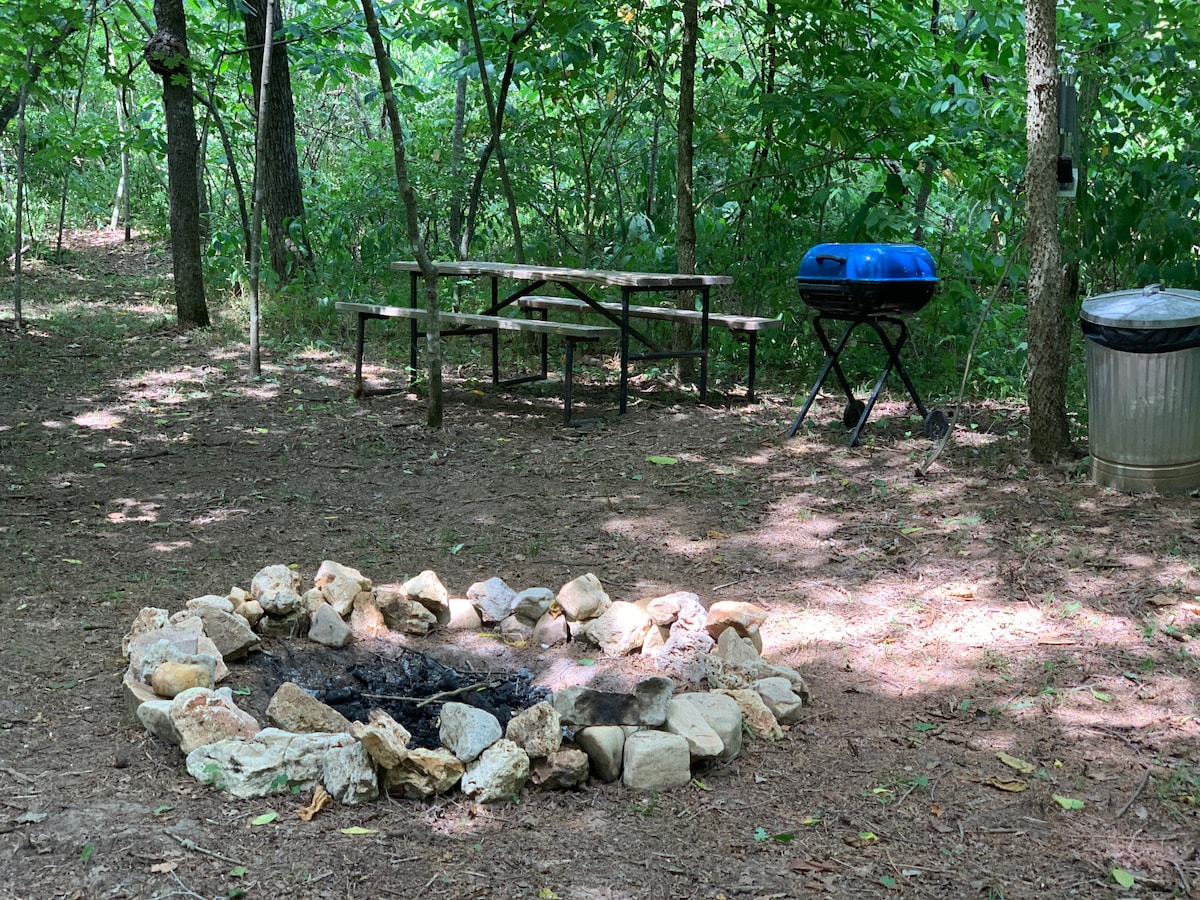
(261, 170)
(433, 322)
(1047, 324)
(283, 192)
(685, 213)
(167, 54)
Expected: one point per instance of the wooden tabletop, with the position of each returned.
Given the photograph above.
(610, 277)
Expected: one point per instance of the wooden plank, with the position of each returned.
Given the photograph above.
(660, 313)
(503, 323)
(608, 277)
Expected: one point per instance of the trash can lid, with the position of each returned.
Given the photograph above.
(1151, 307)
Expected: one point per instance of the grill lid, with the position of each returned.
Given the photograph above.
(879, 263)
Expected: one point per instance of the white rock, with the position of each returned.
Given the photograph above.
(232, 634)
(684, 651)
(467, 731)
(202, 716)
(656, 761)
(150, 650)
(269, 762)
(349, 774)
(155, 716)
(687, 721)
(560, 771)
(493, 598)
(723, 716)
(498, 774)
(424, 773)
(536, 730)
(532, 603)
(427, 589)
(210, 601)
(150, 618)
(385, 739)
(735, 664)
(463, 615)
(583, 598)
(328, 628)
(339, 584)
(665, 610)
(277, 589)
(620, 629)
(785, 704)
(516, 631)
(605, 748)
(551, 630)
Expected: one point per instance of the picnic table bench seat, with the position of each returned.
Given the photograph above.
(740, 326)
(471, 323)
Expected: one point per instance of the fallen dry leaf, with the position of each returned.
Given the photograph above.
(713, 535)
(163, 867)
(1054, 641)
(319, 801)
(960, 591)
(1025, 768)
(1162, 600)
(1012, 785)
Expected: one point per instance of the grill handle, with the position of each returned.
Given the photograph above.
(829, 257)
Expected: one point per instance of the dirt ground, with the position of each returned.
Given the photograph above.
(1005, 695)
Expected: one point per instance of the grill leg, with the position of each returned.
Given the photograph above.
(893, 351)
(831, 355)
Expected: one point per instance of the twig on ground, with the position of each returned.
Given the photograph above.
(1137, 793)
(435, 698)
(189, 844)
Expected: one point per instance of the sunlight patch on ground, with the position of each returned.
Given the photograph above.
(98, 419)
(170, 546)
(133, 511)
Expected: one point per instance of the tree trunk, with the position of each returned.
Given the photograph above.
(22, 100)
(433, 327)
(457, 155)
(283, 196)
(685, 213)
(260, 177)
(1047, 324)
(167, 54)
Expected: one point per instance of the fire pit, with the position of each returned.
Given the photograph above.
(871, 285)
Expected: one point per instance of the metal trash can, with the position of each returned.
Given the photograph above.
(1143, 387)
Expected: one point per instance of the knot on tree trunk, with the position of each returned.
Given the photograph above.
(166, 54)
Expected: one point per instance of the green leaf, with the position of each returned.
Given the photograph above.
(887, 881)
(74, 562)
(868, 836)
(761, 834)
(64, 685)
(237, 871)
(925, 726)
(86, 853)
(1101, 696)
(159, 810)
(1067, 802)
(265, 818)
(662, 460)
(358, 829)
(1123, 878)
(585, 662)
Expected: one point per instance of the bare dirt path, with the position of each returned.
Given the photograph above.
(990, 608)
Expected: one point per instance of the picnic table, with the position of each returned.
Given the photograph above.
(514, 286)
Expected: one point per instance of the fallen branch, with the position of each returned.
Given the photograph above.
(189, 844)
(435, 698)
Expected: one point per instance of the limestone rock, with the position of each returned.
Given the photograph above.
(620, 629)
(735, 664)
(155, 716)
(467, 731)
(269, 762)
(251, 611)
(498, 774)
(583, 598)
(493, 598)
(136, 692)
(404, 615)
(605, 748)
(277, 589)
(202, 716)
(516, 631)
(551, 630)
(210, 601)
(656, 639)
(647, 705)
(723, 716)
(665, 610)
(785, 704)
(293, 709)
(463, 615)
(424, 773)
(310, 600)
(366, 621)
(150, 618)
(744, 618)
(170, 679)
(683, 653)
(339, 584)
(385, 739)
(532, 603)
(427, 589)
(349, 774)
(328, 628)
(232, 634)
(755, 715)
(656, 761)
(687, 721)
(150, 650)
(536, 730)
(560, 771)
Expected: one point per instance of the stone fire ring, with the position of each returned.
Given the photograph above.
(650, 738)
